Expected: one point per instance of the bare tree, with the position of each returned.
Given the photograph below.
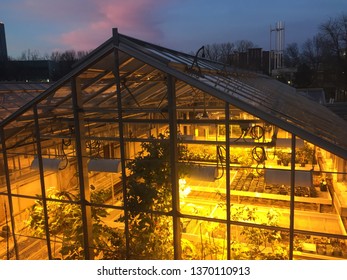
(213, 52)
(81, 54)
(68, 56)
(292, 55)
(55, 56)
(227, 49)
(244, 45)
(314, 51)
(220, 52)
(334, 32)
(30, 55)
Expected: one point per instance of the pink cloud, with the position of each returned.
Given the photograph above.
(139, 18)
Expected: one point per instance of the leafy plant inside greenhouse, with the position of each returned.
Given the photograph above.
(149, 189)
(257, 243)
(65, 226)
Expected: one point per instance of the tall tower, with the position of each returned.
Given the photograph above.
(276, 54)
(3, 47)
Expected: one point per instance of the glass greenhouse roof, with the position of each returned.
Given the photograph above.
(15, 95)
(144, 68)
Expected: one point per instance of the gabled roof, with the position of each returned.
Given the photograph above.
(257, 94)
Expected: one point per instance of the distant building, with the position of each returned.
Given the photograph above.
(254, 59)
(3, 47)
(28, 70)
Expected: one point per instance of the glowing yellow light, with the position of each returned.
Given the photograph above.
(182, 182)
(185, 192)
(258, 194)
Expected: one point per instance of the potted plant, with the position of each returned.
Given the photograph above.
(305, 155)
(321, 249)
(284, 157)
(329, 249)
(298, 244)
(344, 250)
(337, 250)
(300, 158)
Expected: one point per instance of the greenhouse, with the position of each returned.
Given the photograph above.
(143, 152)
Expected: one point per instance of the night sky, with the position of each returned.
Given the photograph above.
(184, 25)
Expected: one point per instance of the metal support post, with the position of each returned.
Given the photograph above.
(82, 170)
(42, 182)
(227, 177)
(292, 198)
(121, 139)
(9, 192)
(171, 89)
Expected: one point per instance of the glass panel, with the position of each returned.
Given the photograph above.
(202, 186)
(29, 229)
(32, 249)
(57, 131)
(150, 236)
(318, 206)
(98, 85)
(6, 238)
(58, 101)
(104, 169)
(64, 224)
(108, 231)
(144, 88)
(253, 186)
(241, 116)
(312, 246)
(21, 149)
(3, 187)
(145, 130)
(253, 243)
(194, 104)
(203, 240)
(109, 184)
(148, 181)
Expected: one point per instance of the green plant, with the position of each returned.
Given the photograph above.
(344, 250)
(206, 153)
(148, 190)
(65, 225)
(321, 249)
(212, 243)
(284, 157)
(209, 153)
(258, 243)
(298, 243)
(337, 250)
(329, 249)
(305, 154)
